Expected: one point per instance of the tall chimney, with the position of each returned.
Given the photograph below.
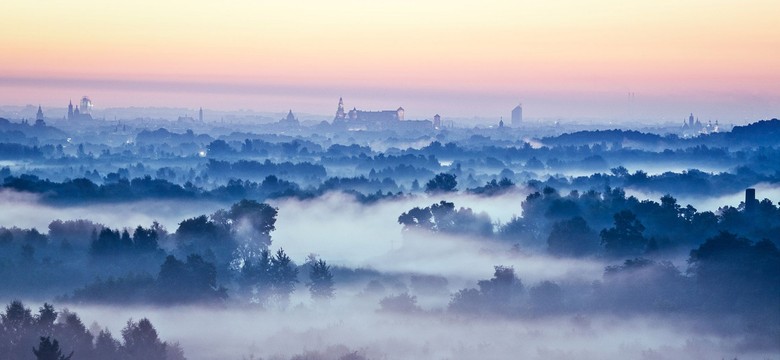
(750, 199)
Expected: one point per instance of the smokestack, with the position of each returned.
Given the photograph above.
(750, 199)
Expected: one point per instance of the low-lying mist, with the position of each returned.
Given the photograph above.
(349, 233)
(27, 212)
(218, 333)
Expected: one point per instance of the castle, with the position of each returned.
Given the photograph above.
(369, 119)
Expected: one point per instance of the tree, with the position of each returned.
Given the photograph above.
(546, 297)
(254, 276)
(142, 342)
(49, 350)
(259, 219)
(501, 289)
(106, 347)
(46, 317)
(74, 334)
(572, 237)
(442, 182)
(401, 303)
(466, 301)
(145, 239)
(625, 238)
(284, 275)
(321, 285)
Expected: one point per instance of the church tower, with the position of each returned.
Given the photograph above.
(340, 113)
(70, 110)
(39, 115)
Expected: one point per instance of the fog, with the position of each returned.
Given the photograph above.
(26, 211)
(346, 232)
(218, 333)
(713, 203)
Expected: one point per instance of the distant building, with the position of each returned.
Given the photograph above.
(79, 114)
(436, 122)
(86, 106)
(501, 123)
(200, 114)
(367, 119)
(290, 119)
(751, 203)
(517, 115)
(39, 117)
(693, 127)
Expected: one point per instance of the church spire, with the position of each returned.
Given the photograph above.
(340, 113)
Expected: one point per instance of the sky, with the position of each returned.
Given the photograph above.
(560, 58)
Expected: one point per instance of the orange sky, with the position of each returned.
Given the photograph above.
(570, 57)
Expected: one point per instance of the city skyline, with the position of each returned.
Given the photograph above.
(561, 58)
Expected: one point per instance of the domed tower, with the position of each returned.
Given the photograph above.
(290, 117)
(400, 113)
(39, 115)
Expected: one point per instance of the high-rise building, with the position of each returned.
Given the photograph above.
(517, 115)
(86, 106)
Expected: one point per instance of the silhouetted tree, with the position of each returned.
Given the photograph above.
(49, 350)
(284, 276)
(401, 303)
(141, 341)
(145, 239)
(625, 238)
(442, 182)
(321, 285)
(572, 237)
(106, 347)
(502, 289)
